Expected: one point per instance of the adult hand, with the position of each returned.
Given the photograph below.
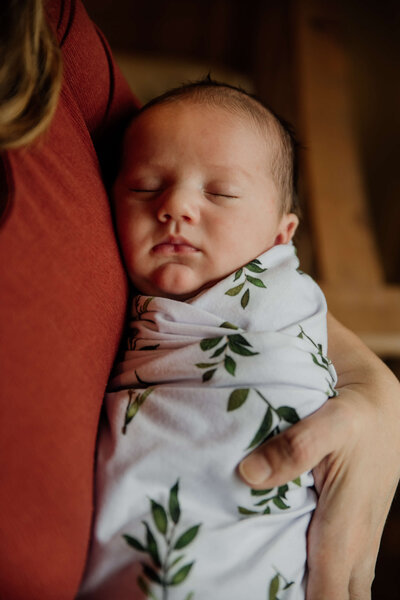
(352, 444)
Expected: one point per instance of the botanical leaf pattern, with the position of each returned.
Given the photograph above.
(271, 425)
(162, 569)
(140, 309)
(164, 548)
(253, 267)
(263, 499)
(277, 584)
(319, 359)
(235, 343)
(135, 401)
(273, 418)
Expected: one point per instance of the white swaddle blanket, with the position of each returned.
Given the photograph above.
(202, 383)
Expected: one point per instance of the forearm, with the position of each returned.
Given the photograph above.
(359, 368)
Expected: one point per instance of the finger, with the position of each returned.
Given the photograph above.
(298, 449)
(343, 539)
(330, 581)
(332, 587)
(360, 589)
(344, 534)
(329, 552)
(364, 572)
(329, 563)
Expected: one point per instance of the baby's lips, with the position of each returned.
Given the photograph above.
(168, 248)
(175, 245)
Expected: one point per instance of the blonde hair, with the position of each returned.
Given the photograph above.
(30, 72)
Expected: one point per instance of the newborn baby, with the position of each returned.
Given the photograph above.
(227, 347)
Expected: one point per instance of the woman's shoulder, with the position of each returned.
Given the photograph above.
(61, 14)
(67, 18)
(91, 78)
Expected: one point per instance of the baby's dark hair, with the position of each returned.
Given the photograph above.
(279, 134)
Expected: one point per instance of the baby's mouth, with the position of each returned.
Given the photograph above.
(174, 245)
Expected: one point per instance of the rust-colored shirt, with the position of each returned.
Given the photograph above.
(62, 306)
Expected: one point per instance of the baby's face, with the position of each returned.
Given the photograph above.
(194, 200)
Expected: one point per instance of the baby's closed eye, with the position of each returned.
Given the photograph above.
(218, 191)
(221, 195)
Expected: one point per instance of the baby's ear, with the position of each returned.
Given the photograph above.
(287, 228)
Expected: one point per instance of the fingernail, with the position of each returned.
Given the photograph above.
(255, 469)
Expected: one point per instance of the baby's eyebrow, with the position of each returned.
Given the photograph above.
(231, 170)
(141, 166)
(143, 169)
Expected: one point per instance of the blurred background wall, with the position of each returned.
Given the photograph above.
(253, 43)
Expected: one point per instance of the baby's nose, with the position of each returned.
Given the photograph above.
(178, 205)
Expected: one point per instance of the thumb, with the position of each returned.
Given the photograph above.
(298, 449)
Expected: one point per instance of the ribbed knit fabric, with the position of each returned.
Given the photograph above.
(63, 296)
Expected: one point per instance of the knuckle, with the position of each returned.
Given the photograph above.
(365, 576)
(363, 592)
(350, 416)
(296, 446)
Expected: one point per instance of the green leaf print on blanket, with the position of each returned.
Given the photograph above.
(163, 563)
(253, 267)
(278, 583)
(273, 419)
(140, 308)
(235, 343)
(320, 360)
(271, 425)
(275, 497)
(135, 401)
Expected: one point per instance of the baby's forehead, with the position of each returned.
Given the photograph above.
(145, 122)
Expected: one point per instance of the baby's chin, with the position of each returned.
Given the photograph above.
(173, 280)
